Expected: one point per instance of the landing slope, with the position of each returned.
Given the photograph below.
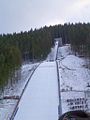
(40, 100)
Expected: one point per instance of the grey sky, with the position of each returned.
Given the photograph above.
(21, 15)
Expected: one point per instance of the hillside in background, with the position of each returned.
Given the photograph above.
(36, 44)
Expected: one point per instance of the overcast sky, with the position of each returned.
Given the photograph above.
(21, 15)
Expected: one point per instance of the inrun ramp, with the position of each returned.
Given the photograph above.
(40, 100)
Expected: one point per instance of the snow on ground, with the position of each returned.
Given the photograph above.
(70, 95)
(25, 72)
(40, 100)
(74, 77)
(64, 51)
(53, 53)
(73, 62)
(7, 106)
(73, 72)
(17, 87)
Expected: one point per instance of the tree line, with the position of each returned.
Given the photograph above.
(18, 47)
(36, 44)
(78, 35)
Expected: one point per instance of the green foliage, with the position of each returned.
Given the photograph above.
(80, 38)
(9, 61)
(12, 56)
(36, 44)
(22, 46)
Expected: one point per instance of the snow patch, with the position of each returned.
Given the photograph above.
(64, 51)
(74, 79)
(73, 62)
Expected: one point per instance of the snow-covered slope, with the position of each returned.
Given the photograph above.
(64, 51)
(7, 106)
(45, 86)
(73, 62)
(73, 72)
(53, 54)
(40, 100)
(74, 78)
